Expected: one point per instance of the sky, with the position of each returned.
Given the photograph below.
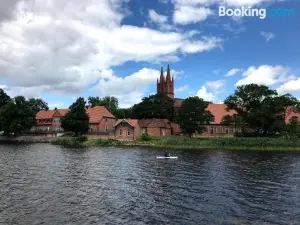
(60, 50)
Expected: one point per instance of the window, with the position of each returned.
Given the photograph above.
(106, 128)
(128, 132)
(144, 130)
(106, 120)
(212, 119)
(120, 132)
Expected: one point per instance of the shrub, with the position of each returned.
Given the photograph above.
(82, 138)
(145, 137)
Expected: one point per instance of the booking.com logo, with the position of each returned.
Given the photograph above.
(262, 13)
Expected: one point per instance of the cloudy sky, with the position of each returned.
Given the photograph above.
(61, 49)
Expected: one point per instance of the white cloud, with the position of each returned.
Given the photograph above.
(56, 105)
(233, 72)
(63, 46)
(266, 75)
(290, 87)
(181, 89)
(205, 95)
(206, 44)
(190, 14)
(215, 85)
(130, 89)
(157, 18)
(268, 35)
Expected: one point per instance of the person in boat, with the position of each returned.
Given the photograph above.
(167, 154)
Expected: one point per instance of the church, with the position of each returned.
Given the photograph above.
(165, 86)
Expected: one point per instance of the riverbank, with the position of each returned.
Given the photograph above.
(179, 142)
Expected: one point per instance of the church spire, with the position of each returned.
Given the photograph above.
(168, 78)
(162, 78)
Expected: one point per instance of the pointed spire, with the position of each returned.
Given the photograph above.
(162, 78)
(168, 74)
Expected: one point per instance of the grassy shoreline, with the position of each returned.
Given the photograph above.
(185, 143)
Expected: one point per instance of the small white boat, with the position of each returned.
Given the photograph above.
(169, 157)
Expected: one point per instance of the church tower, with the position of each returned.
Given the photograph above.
(165, 86)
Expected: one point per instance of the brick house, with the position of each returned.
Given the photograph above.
(127, 129)
(156, 127)
(49, 121)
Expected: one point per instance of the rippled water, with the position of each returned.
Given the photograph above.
(45, 184)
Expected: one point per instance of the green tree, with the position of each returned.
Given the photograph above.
(16, 116)
(38, 104)
(77, 119)
(123, 113)
(111, 103)
(260, 108)
(4, 98)
(193, 115)
(154, 106)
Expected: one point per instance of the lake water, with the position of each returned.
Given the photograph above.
(45, 184)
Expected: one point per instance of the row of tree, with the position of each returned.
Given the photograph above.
(258, 109)
(18, 114)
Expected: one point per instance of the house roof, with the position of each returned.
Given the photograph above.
(131, 122)
(95, 113)
(45, 114)
(155, 123)
(176, 128)
(178, 102)
(290, 113)
(219, 111)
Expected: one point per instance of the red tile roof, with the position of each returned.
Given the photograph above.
(95, 113)
(178, 102)
(45, 114)
(155, 123)
(62, 112)
(290, 113)
(131, 122)
(219, 111)
(176, 128)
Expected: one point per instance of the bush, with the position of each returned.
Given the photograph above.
(145, 137)
(67, 142)
(82, 138)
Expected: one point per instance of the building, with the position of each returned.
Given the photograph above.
(165, 86)
(49, 121)
(127, 129)
(156, 127)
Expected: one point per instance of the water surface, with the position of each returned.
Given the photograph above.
(45, 184)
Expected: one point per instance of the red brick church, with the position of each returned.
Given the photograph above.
(165, 86)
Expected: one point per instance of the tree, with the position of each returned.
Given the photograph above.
(4, 98)
(193, 115)
(154, 106)
(111, 103)
(37, 104)
(260, 108)
(77, 119)
(124, 113)
(16, 116)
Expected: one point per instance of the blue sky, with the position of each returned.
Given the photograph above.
(60, 51)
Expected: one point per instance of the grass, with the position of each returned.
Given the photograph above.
(179, 142)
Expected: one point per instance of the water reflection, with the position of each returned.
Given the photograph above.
(44, 184)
